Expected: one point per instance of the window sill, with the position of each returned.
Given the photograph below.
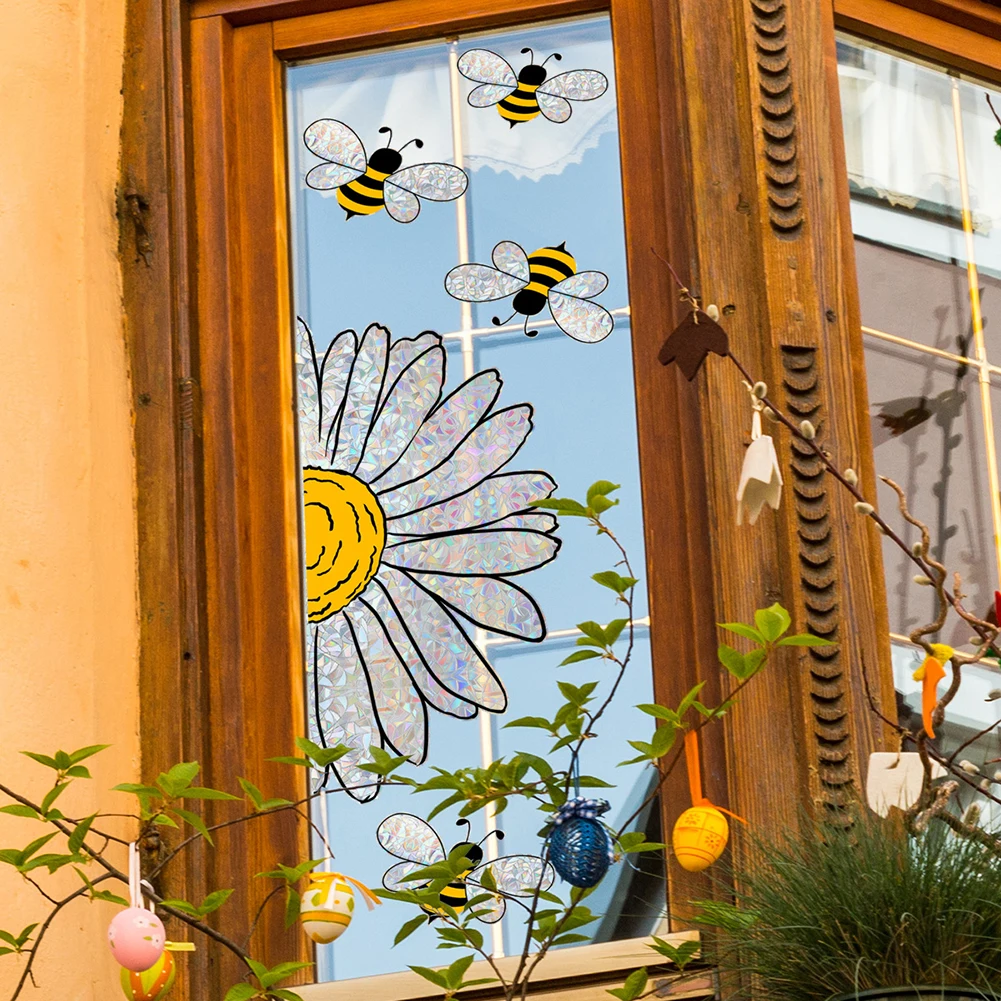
(587, 970)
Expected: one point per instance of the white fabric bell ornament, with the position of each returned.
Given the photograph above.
(896, 780)
(760, 477)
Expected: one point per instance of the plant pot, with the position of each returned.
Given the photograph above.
(921, 994)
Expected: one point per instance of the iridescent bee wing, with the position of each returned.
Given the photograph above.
(400, 204)
(438, 182)
(334, 142)
(520, 875)
(411, 839)
(484, 66)
(488, 94)
(575, 315)
(396, 877)
(577, 85)
(510, 258)
(554, 108)
(488, 911)
(481, 283)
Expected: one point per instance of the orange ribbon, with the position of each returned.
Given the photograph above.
(930, 673)
(695, 776)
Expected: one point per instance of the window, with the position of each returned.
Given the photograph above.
(926, 211)
(262, 243)
(541, 187)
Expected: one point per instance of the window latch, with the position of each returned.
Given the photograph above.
(137, 208)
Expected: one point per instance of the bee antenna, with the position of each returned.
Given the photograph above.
(499, 835)
(523, 51)
(529, 333)
(555, 56)
(469, 826)
(385, 129)
(500, 323)
(417, 142)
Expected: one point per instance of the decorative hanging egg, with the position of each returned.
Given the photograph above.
(137, 938)
(152, 984)
(579, 846)
(700, 835)
(327, 907)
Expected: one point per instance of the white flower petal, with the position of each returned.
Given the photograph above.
(402, 715)
(408, 402)
(443, 645)
(402, 354)
(493, 444)
(364, 389)
(485, 552)
(760, 480)
(494, 499)
(490, 602)
(345, 710)
(307, 380)
(534, 522)
(335, 369)
(441, 433)
(432, 692)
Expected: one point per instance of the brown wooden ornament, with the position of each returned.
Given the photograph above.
(692, 340)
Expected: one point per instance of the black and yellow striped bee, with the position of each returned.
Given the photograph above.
(366, 184)
(415, 842)
(521, 98)
(549, 275)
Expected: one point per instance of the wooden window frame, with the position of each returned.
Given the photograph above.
(204, 204)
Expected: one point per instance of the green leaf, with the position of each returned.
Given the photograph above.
(62, 760)
(52, 861)
(214, 901)
(579, 655)
(26, 933)
(174, 782)
(457, 970)
(753, 661)
(436, 978)
(293, 906)
(259, 969)
(571, 508)
(772, 622)
(689, 700)
(634, 986)
(241, 992)
(571, 939)
(78, 772)
(748, 632)
(660, 712)
(280, 972)
(537, 721)
(52, 795)
(284, 994)
(80, 832)
(601, 504)
(600, 488)
(663, 739)
(288, 760)
(42, 759)
(612, 580)
(255, 795)
(593, 630)
(805, 639)
(133, 787)
(591, 782)
(200, 792)
(681, 955)
(19, 810)
(732, 660)
(33, 847)
(87, 752)
(409, 928)
(614, 629)
(195, 821)
(183, 906)
(322, 756)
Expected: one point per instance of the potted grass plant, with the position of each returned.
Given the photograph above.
(869, 912)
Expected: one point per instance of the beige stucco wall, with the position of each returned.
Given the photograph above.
(68, 625)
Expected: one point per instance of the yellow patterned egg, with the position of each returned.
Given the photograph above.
(327, 906)
(699, 837)
(152, 984)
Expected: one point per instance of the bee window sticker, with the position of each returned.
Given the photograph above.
(522, 97)
(365, 184)
(548, 276)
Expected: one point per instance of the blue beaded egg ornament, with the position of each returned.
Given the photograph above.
(579, 846)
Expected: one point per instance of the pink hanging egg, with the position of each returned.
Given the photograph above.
(137, 938)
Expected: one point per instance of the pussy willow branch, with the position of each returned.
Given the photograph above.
(991, 106)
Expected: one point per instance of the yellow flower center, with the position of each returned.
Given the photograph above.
(345, 536)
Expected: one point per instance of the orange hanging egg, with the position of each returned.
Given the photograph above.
(699, 837)
(152, 984)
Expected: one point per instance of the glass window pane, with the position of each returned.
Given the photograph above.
(923, 168)
(542, 185)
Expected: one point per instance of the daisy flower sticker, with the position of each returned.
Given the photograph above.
(413, 533)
